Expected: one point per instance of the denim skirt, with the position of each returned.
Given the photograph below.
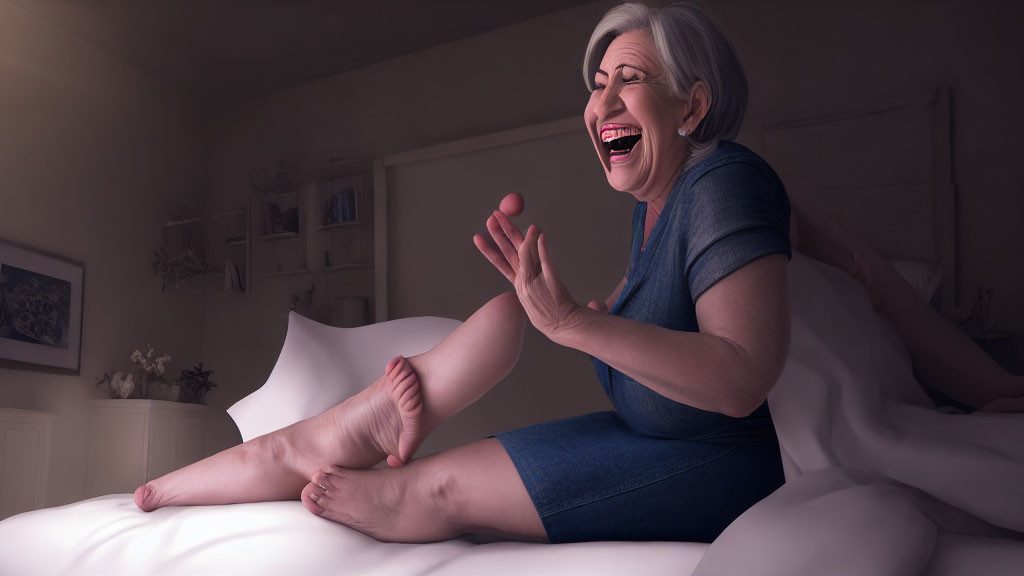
(592, 477)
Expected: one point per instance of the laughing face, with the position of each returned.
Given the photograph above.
(633, 119)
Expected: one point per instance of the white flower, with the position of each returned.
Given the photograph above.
(150, 362)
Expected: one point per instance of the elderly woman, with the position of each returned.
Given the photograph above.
(687, 346)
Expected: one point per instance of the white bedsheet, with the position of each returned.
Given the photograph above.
(109, 536)
(877, 481)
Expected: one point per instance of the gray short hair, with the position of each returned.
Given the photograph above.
(692, 47)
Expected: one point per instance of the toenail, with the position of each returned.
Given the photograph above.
(314, 497)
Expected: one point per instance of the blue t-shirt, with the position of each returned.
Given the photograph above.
(726, 211)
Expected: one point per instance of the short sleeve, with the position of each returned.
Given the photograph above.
(736, 213)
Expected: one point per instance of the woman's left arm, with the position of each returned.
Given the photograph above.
(728, 367)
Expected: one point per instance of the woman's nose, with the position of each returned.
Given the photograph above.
(608, 101)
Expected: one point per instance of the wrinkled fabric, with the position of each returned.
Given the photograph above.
(877, 480)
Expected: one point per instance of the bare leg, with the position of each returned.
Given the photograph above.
(470, 489)
(390, 418)
(944, 357)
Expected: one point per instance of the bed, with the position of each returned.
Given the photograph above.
(878, 481)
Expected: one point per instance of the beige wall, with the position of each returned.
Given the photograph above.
(94, 156)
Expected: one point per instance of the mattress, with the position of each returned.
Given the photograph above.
(110, 536)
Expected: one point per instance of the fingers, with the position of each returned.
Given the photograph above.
(510, 229)
(496, 259)
(528, 254)
(598, 306)
(508, 244)
(504, 253)
(548, 266)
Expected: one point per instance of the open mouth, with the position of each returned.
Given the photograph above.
(619, 140)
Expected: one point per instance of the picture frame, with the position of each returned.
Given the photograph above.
(41, 299)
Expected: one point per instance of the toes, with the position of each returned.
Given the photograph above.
(316, 495)
(404, 371)
(396, 361)
(327, 477)
(411, 401)
(311, 498)
(144, 498)
(406, 387)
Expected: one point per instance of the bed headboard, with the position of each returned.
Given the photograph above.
(881, 168)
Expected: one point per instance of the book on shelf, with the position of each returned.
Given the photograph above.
(276, 222)
(342, 207)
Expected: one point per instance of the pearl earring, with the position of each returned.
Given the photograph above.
(682, 132)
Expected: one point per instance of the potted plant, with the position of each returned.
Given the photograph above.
(195, 383)
(144, 380)
(152, 368)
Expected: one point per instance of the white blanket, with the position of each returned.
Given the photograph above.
(109, 536)
(877, 481)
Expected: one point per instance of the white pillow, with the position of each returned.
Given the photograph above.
(321, 366)
(923, 277)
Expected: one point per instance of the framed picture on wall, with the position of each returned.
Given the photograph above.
(40, 310)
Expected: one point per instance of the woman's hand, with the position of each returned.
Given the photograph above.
(526, 263)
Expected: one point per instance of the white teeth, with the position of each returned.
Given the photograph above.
(612, 134)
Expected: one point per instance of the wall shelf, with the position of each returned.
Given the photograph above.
(279, 273)
(336, 225)
(279, 236)
(314, 225)
(347, 267)
(173, 223)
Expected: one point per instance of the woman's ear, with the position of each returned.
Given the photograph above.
(697, 107)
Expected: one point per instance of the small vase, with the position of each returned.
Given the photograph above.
(160, 390)
(192, 396)
(122, 385)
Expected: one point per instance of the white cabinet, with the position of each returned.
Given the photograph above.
(25, 437)
(134, 441)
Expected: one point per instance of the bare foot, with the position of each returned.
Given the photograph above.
(380, 503)
(406, 397)
(384, 420)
